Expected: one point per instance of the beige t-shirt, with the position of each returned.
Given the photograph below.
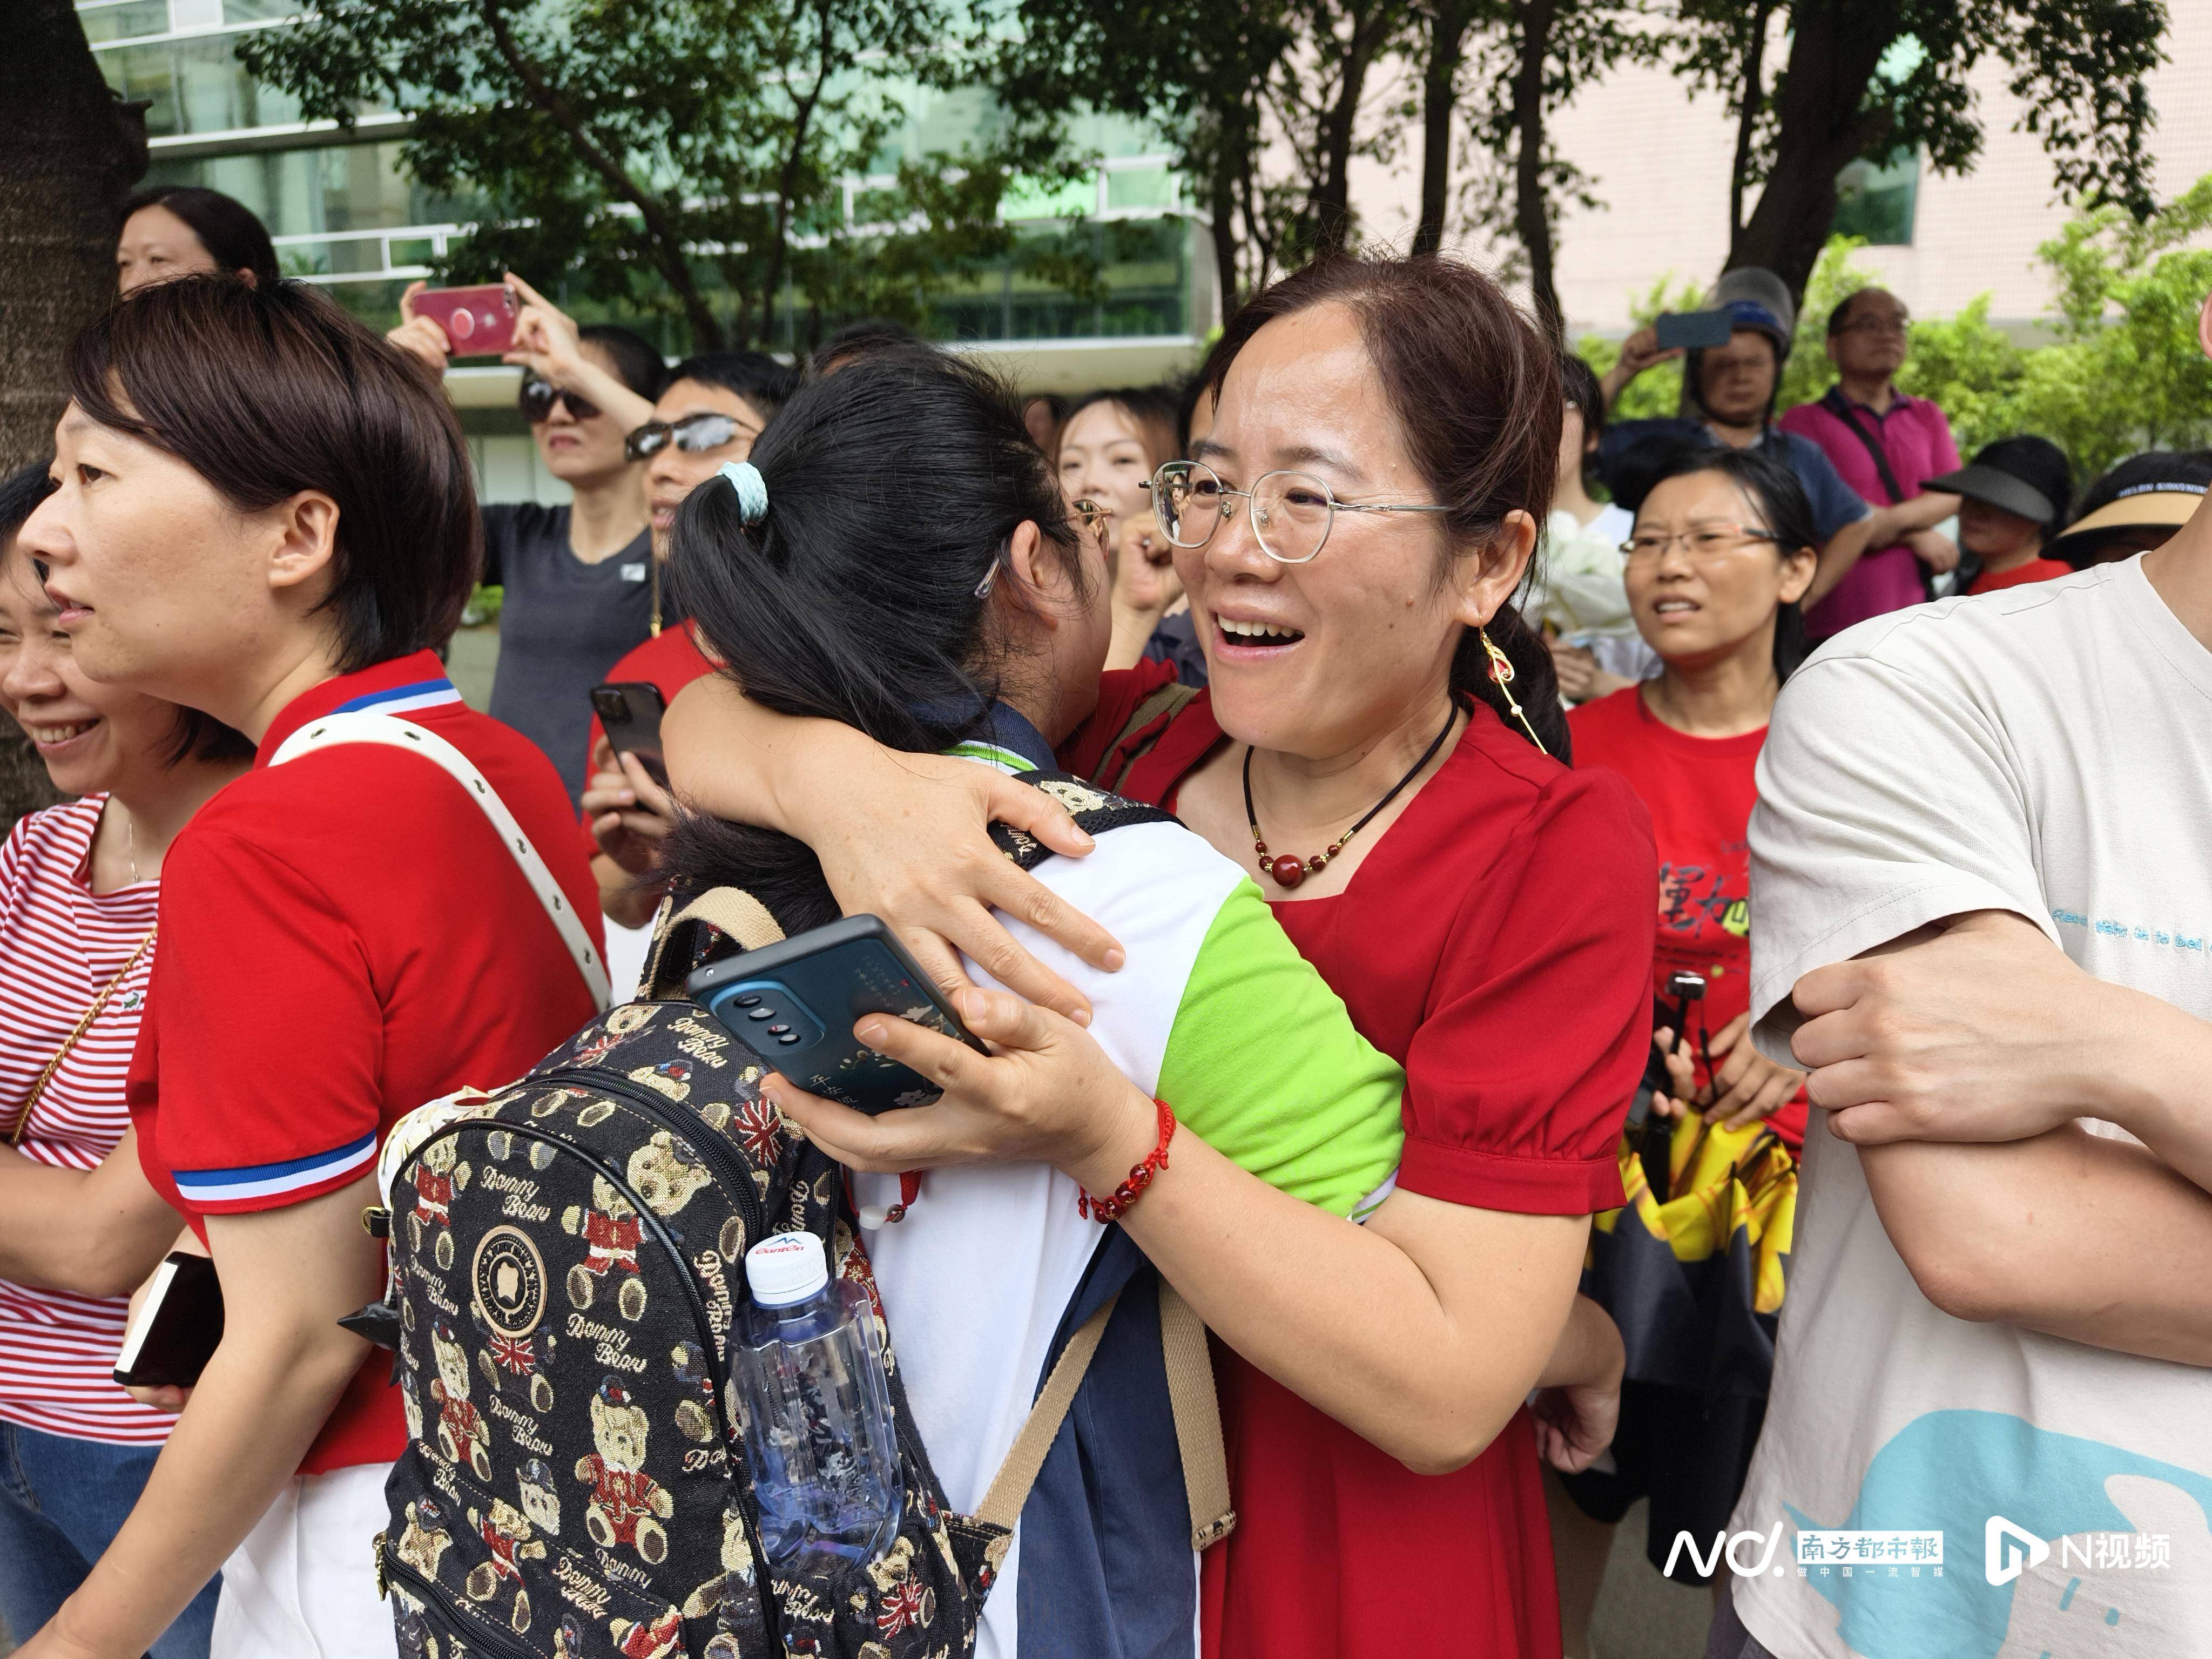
(2045, 749)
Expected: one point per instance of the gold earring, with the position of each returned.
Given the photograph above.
(1501, 676)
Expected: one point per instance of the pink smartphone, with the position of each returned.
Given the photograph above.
(479, 321)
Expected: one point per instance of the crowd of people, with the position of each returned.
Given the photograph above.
(1755, 835)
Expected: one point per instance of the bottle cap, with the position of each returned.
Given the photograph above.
(787, 1268)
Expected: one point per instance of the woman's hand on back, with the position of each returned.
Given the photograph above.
(900, 836)
(1747, 1086)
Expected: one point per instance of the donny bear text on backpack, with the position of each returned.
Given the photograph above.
(566, 1264)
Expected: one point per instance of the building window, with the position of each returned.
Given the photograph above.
(1876, 200)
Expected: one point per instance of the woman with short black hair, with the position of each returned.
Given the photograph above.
(579, 583)
(266, 513)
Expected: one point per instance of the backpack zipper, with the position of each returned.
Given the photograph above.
(391, 1570)
(733, 1443)
(731, 1173)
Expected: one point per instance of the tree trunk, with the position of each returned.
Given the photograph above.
(1372, 21)
(1531, 209)
(1448, 25)
(1752, 96)
(1221, 205)
(1822, 126)
(69, 153)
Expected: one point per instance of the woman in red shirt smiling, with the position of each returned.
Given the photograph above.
(264, 512)
(1387, 433)
(1722, 552)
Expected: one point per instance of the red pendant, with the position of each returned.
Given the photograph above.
(1287, 870)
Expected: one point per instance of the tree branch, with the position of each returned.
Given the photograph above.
(670, 256)
(1753, 96)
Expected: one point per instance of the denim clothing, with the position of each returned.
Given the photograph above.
(62, 1501)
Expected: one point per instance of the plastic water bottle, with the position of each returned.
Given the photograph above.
(818, 1429)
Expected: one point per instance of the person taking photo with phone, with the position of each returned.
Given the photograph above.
(264, 512)
(80, 1228)
(715, 408)
(1728, 398)
(579, 583)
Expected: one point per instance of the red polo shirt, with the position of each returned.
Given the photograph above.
(343, 937)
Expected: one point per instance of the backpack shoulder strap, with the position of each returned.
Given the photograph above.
(1095, 810)
(1141, 732)
(730, 911)
(1190, 1392)
(366, 725)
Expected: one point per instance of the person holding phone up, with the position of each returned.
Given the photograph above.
(581, 586)
(716, 405)
(1728, 398)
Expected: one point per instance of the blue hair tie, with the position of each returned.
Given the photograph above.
(752, 489)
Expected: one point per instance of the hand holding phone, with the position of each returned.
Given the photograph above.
(794, 1005)
(478, 321)
(629, 713)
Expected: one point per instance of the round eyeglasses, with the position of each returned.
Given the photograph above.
(1293, 513)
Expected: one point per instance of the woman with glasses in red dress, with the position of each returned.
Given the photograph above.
(1382, 747)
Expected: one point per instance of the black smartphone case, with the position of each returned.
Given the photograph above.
(186, 1325)
(794, 1005)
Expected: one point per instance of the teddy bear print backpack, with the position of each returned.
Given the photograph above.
(566, 1264)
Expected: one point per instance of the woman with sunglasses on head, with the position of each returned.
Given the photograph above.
(1384, 445)
(264, 513)
(580, 583)
(80, 1229)
(717, 404)
(1724, 550)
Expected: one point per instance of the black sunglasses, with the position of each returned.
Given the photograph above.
(694, 435)
(538, 397)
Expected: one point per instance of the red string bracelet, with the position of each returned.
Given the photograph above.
(1116, 1204)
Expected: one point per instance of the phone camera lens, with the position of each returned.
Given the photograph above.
(751, 1000)
(788, 1038)
(777, 1030)
(760, 1013)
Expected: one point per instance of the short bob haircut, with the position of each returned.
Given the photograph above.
(266, 391)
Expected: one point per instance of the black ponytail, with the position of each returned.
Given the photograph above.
(859, 595)
(1535, 684)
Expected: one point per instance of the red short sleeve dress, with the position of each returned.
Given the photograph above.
(1497, 940)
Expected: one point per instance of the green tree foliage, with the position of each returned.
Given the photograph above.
(688, 156)
(1865, 78)
(2122, 370)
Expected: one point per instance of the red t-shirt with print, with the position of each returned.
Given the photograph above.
(2035, 570)
(1700, 792)
(343, 937)
(1494, 941)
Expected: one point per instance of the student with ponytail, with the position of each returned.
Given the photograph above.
(1385, 445)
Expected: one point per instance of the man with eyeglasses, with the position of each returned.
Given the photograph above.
(1728, 399)
(1886, 446)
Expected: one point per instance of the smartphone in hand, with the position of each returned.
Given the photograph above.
(479, 321)
(1694, 330)
(794, 1003)
(629, 713)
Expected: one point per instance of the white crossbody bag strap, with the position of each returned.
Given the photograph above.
(365, 725)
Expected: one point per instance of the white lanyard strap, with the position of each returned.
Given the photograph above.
(367, 726)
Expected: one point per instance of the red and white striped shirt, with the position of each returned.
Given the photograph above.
(60, 944)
